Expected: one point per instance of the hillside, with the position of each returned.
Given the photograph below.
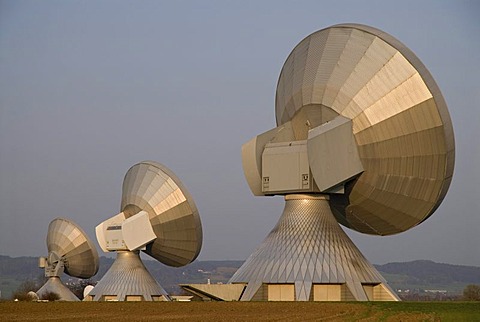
(15, 270)
(409, 277)
(434, 273)
(427, 275)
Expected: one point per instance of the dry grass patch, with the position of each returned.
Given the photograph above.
(231, 311)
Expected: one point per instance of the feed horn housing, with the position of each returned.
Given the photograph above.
(277, 163)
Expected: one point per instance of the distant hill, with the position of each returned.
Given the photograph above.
(415, 276)
(431, 272)
(15, 270)
(427, 275)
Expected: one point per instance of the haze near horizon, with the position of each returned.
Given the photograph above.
(87, 89)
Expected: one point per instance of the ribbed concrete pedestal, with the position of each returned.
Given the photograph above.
(307, 252)
(127, 280)
(55, 285)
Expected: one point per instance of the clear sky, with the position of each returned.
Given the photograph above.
(89, 88)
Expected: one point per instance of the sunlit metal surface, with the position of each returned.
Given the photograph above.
(151, 187)
(380, 148)
(70, 242)
(400, 120)
(70, 251)
(307, 247)
(128, 277)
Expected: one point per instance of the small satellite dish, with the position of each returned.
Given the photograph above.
(363, 138)
(70, 251)
(87, 290)
(32, 296)
(158, 216)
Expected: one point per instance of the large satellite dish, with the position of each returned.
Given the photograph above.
(70, 251)
(158, 216)
(363, 138)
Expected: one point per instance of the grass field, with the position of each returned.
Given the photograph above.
(239, 311)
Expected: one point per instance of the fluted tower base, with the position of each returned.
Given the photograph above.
(127, 280)
(308, 257)
(55, 285)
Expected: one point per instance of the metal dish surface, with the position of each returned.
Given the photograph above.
(400, 121)
(68, 241)
(152, 187)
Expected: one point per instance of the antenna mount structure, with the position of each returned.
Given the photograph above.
(158, 217)
(363, 139)
(70, 251)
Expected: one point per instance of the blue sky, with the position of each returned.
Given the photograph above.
(89, 88)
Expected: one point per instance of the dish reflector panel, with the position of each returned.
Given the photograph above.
(400, 123)
(151, 187)
(69, 242)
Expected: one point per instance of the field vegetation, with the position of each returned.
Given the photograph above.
(239, 311)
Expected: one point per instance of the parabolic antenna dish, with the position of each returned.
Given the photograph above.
(69, 242)
(364, 139)
(70, 251)
(158, 216)
(149, 186)
(401, 124)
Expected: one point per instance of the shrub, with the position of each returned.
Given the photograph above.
(50, 296)
(471, 293)
(21, 293)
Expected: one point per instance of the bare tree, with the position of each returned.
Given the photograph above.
(21, 293)
(471, 293)
(50, 296)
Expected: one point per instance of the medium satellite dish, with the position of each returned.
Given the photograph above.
(158, 216)
(364, 138)
(70, 251)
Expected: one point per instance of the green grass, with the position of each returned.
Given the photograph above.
(445, 311)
